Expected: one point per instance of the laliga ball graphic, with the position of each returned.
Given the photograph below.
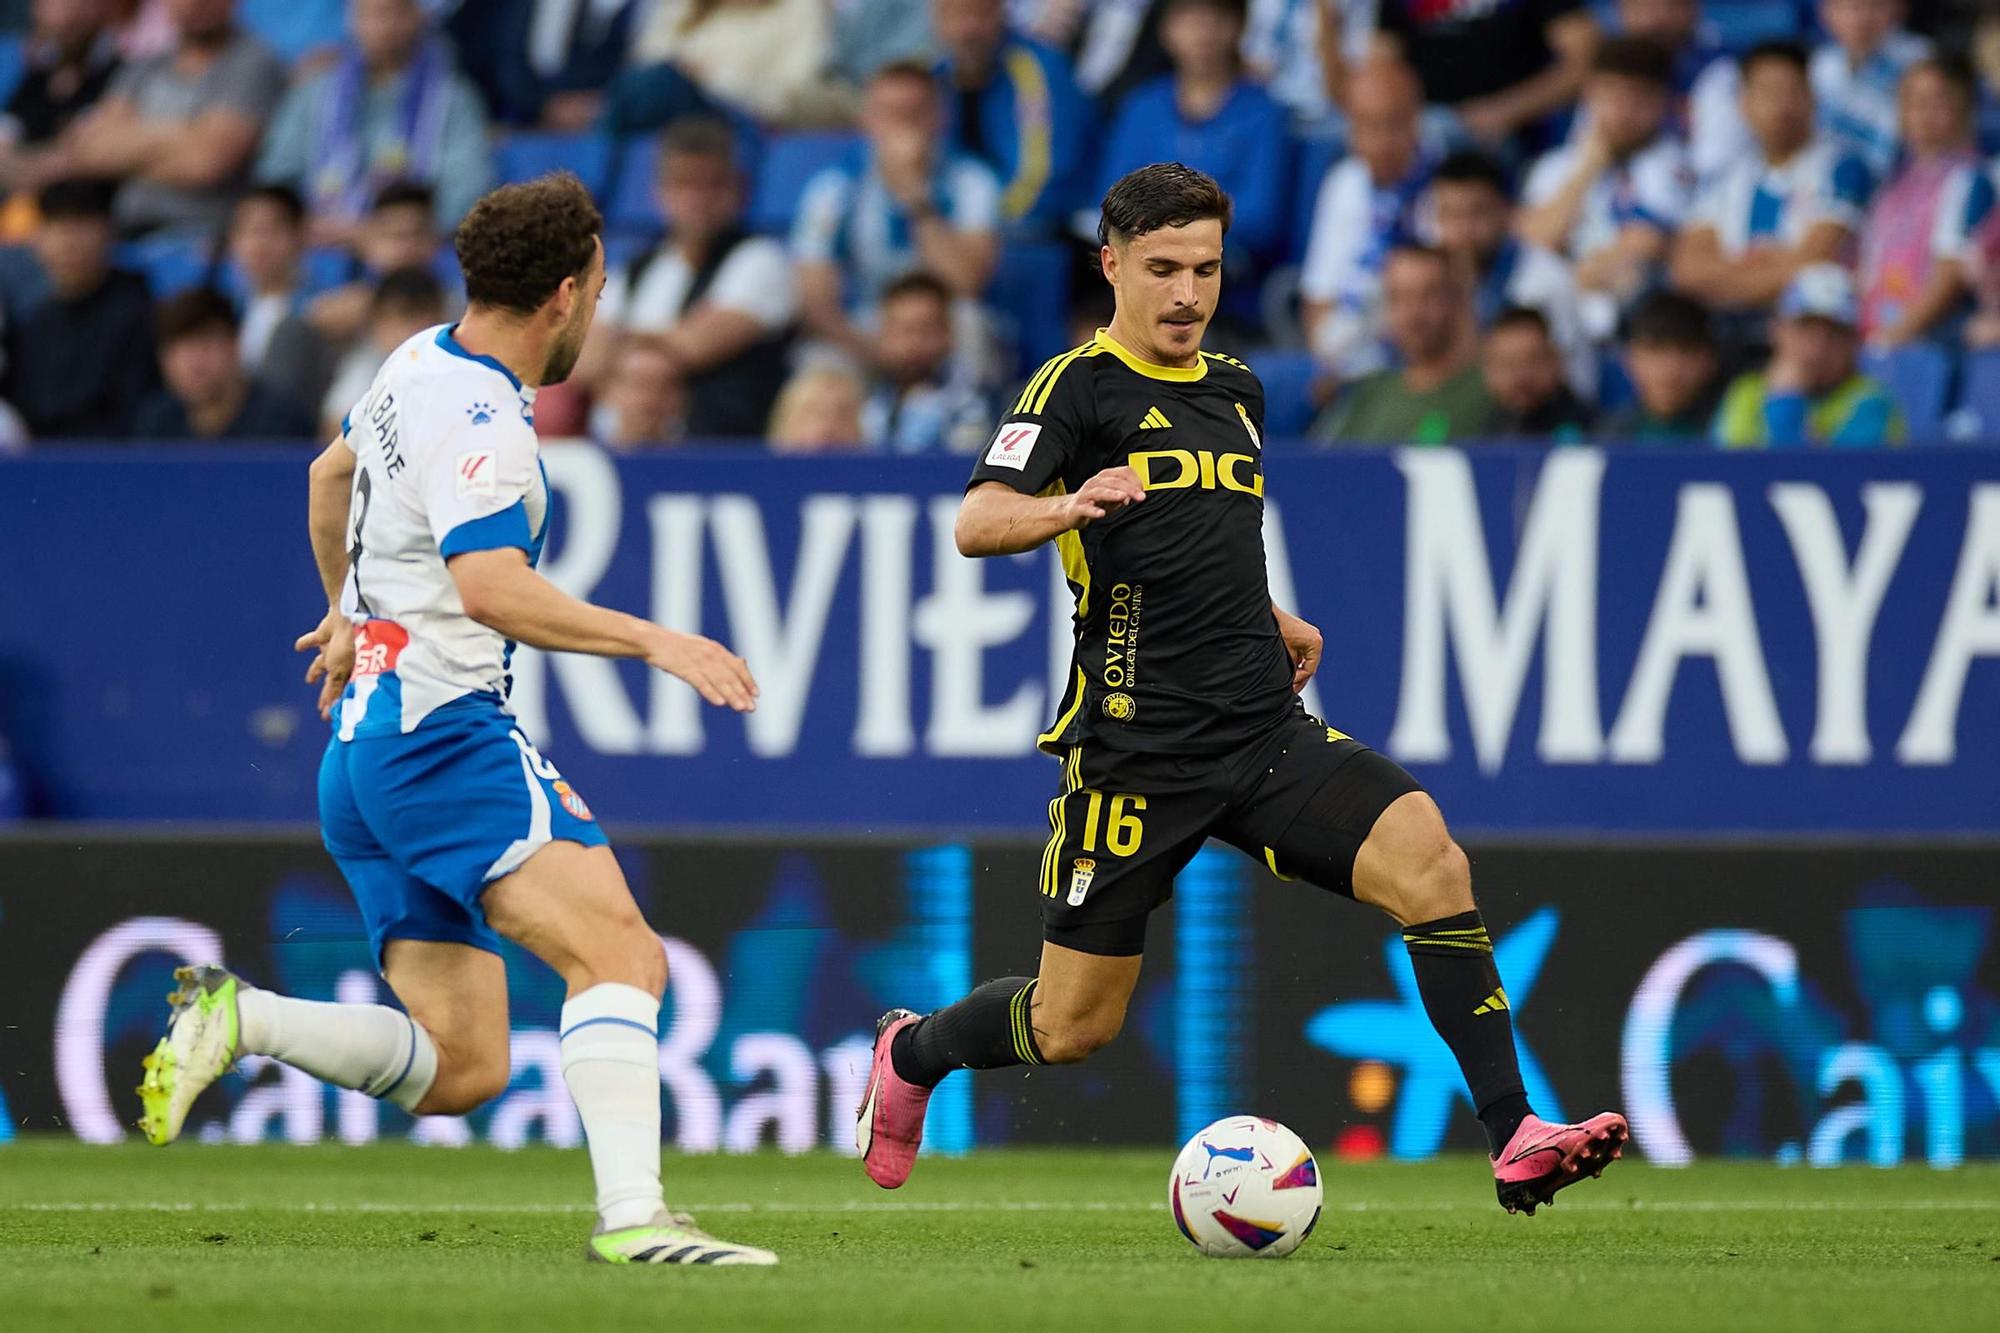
(1245, 1188)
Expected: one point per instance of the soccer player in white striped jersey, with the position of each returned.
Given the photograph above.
(428, 516)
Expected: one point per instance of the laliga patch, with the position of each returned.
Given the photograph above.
(1080, 876)
(1012, 446)
(478, 475)
(571, 800)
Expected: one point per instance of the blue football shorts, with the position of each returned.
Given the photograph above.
(421, 823)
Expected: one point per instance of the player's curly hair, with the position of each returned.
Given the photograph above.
(1165, 194)
(518, 243)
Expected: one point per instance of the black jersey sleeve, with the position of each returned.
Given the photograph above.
(1048, 429)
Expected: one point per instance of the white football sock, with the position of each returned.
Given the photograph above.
(611, 1062)
(368, 1047)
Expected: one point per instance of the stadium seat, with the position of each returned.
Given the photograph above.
(628, 198)
(1741, 24)
(1288, 378)
(1981, 407)
(1315, 157)
(13, 63)
(1030, 292)
(169, 266)
(529, 154)
(1919, 376)
(789, 161)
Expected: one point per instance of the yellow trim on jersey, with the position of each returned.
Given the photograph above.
(1035, 382)
(1176, 374)
(1271, 860)
(1054, 733)
(1227, 360)
(1069, 545)
(1031, 95)
(1059, 822)
(1055, 373)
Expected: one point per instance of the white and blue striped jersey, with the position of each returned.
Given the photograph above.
(446, 462)
(1857, 104)
(1752, 203)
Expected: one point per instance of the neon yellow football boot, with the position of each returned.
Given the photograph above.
(201, 1044)
(671, 1238)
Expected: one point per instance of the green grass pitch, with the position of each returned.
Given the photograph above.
(396, 1237)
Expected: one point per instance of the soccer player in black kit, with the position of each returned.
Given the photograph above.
(1141, 457)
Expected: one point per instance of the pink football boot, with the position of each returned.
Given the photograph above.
(890, 1122)
(1542, 1158)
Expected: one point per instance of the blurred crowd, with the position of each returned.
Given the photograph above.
(857, 224)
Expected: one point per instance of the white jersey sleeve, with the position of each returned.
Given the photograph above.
(475, 480)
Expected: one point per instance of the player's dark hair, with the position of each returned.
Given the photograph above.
(1165, 194)
(1639, 58)
(192, 314)
(76, 199)
(699, 136)
(1520, 317)
(1668, 319)
(407, 291)
(1470, 166)
(918, 283)
(1955, 70)
(520, 242)
(281, 197)
(404, 194)
(1783, 50)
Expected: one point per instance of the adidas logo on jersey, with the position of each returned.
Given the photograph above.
(1154, 419)
(1494, 1003)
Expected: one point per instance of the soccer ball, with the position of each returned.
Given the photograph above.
(1245, 1188)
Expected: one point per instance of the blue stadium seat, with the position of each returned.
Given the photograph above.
(1030, 291)
(1919, 376)
(1982, 394)
(1288, 378)
(1315, 158)
(628, 198)
(13, 63)
(169, 266)
(326, 267)
(1741, 24)
(789, 161)
(529, 154)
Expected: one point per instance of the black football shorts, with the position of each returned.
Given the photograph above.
(1300, 799)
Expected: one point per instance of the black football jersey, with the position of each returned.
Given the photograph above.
(1177, 649)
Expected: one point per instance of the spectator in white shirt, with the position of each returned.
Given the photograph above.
(1469, 215)
(1792, 201)
(1367, 204)
(1706, 79)
(1611, 203)
(905, 203)
(1857, 75)
(718, 300)
(923, 401)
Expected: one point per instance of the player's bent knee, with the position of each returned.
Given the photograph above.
(1071, 1041)
(1410, 867)
(466, 1082)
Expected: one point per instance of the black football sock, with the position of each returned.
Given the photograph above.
(1453, 958)
(988, 1029)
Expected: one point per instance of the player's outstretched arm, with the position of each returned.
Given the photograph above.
(330, 490)
(996, 519)
(500, 591)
